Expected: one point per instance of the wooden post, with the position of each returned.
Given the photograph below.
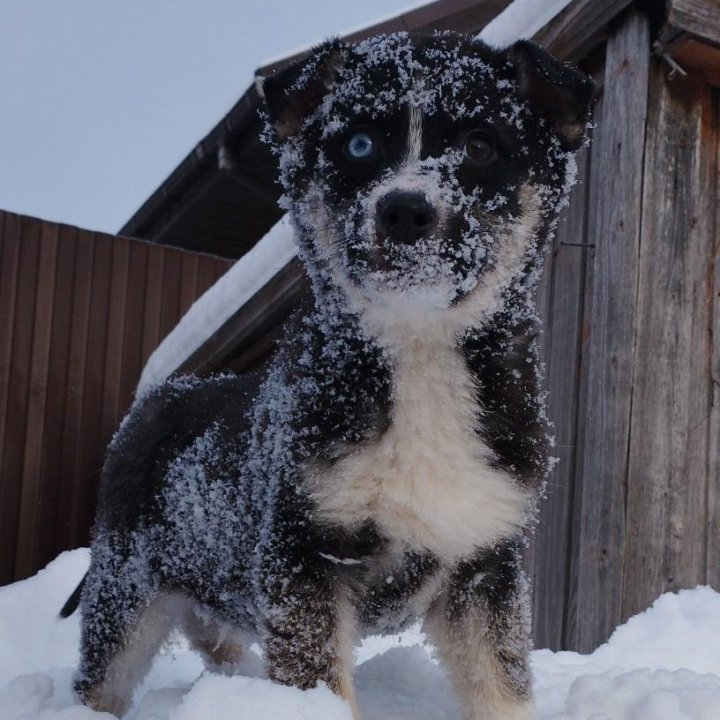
(616, 190)
(562, 312)
(713, 534)
(668, 455)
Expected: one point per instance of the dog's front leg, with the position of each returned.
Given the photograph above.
(481, 626)
(310, 628)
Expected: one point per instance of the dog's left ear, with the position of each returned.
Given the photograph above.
(559, 92)
(293, 93)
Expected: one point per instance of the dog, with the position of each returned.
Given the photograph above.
(387, 465)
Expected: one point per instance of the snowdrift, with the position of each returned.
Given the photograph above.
(663, 664)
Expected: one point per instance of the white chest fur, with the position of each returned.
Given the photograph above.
(428, 481)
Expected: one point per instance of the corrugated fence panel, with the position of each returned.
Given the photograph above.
(9, 492)
(79, 314)
(30, 477)
(21, 332)
(57, 394)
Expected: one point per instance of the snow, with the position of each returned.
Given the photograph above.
(663, 664)
(210, 311)
(520, 19)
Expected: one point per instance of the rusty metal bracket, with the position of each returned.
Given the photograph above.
(675, 68)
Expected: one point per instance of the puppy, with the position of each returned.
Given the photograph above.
(385, 467)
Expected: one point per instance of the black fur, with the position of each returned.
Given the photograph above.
(205, 493)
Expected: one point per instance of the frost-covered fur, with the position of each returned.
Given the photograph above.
(386, 465)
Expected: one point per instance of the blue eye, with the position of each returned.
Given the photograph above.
(360, 145)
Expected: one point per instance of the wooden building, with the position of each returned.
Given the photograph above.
(630, 300)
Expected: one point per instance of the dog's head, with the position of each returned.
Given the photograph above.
(425, 167)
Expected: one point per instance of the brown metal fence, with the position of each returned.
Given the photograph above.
(80, 312)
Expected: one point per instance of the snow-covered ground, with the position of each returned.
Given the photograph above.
(661, 665)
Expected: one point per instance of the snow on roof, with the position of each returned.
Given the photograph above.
(520, 19)
(212, 309)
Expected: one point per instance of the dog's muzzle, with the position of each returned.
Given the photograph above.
(404, 218)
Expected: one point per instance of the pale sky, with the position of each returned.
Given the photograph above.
(101, 99)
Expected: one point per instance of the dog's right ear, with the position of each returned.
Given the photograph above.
(558, 91)
(293, 93)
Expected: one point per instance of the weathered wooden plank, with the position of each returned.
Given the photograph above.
(667, 473)
(562, 340)
(713, 523)
(698, 17)
(571, 619)
(615, 231)
(543, 303)
(30, 498)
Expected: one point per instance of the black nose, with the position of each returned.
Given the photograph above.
(405, 217)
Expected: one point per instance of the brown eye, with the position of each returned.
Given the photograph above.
(480, 148)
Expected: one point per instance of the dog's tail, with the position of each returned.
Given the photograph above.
(71, 604)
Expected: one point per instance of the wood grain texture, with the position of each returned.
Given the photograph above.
(543, 309)
(572, 618)
(667, 483)
(615, 231)
(713, 520)
(698, 17)
(563, 325)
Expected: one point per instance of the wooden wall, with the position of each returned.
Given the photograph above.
(79, 314)
(632, 346)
